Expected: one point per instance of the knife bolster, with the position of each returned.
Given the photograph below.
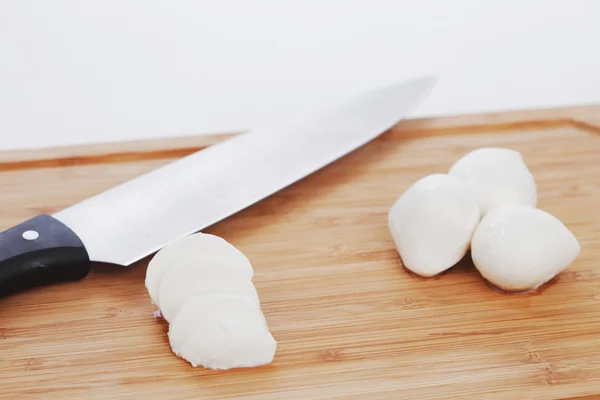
(40, 251)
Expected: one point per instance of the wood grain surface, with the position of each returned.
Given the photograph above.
(350, 321)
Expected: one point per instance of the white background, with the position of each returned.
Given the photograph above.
(90, 71)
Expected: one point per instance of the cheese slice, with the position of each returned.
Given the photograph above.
(221, 332)
(200, 247)
(197, 278)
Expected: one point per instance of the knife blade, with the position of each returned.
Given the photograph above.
(135, 219)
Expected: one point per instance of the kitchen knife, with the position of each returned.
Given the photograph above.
(133, 220)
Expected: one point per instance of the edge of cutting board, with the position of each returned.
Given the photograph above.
(586, 117)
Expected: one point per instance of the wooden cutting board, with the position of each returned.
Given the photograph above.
(350, 322)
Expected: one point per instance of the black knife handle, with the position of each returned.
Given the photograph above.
(40, 251)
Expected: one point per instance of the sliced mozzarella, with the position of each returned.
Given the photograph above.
(200, 248)
(221, 332)
(498, 176)
(519, 248)
(188, 279)
(432, 223)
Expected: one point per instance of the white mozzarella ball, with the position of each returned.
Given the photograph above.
(498, 176)
(519, 248)
(192, 278)
(221, 332)
(200, 248)
(432, 223)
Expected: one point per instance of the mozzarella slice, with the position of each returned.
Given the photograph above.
(221, 332)
(519, 248)
(203, 287)
(498, 176)
(188, 279)
(200, 247)
(432, 223)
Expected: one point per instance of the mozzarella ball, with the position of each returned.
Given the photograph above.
(199, 248)
(221, 332)
(192, 278)
(498, 176)
(519, 248)
(432, 223)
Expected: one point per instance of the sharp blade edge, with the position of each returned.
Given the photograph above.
(133, 220)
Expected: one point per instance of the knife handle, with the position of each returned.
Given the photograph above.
(40, 251)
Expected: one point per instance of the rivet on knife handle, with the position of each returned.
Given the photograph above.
(40, 251)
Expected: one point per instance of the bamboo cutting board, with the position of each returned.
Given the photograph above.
(350, 322)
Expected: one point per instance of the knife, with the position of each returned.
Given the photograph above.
(137, 218)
